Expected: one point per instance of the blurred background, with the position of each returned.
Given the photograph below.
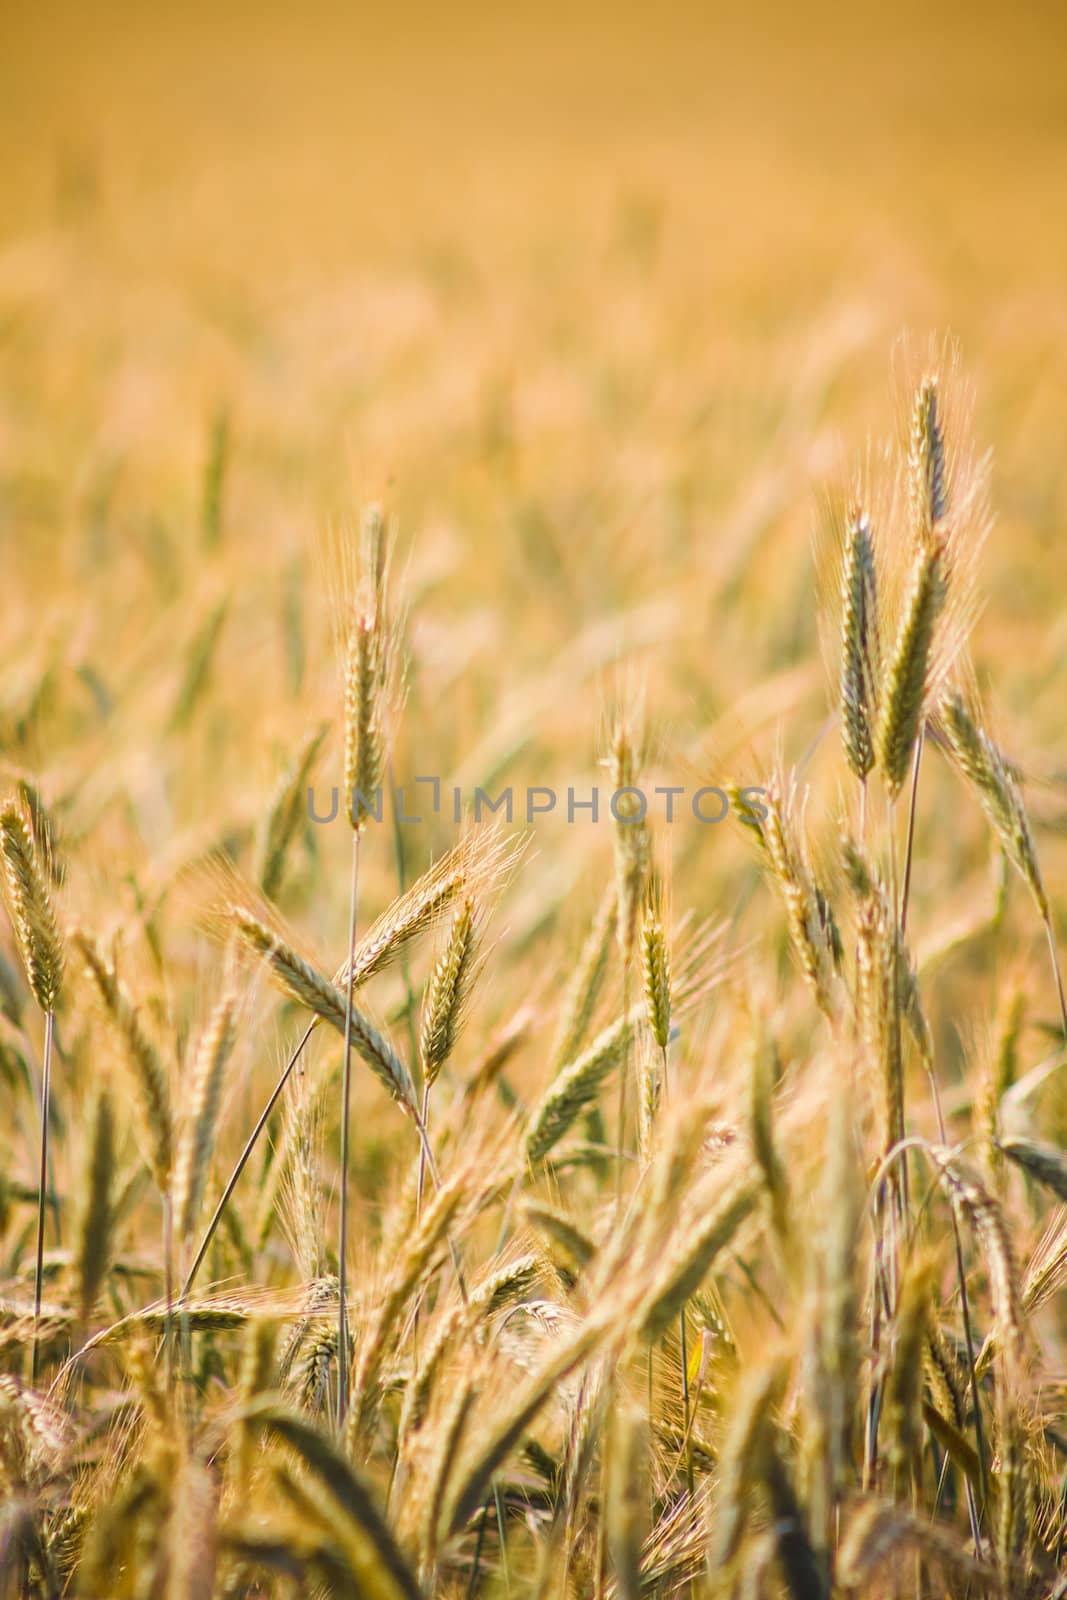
(602, 302)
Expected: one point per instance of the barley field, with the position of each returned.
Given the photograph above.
(532, 804)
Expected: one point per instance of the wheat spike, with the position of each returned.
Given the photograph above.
(205, 1095)
(29, 903)
(984, 766)
(657, 970)
(632, 836)
(447, 992)
(305, 984)
(907, 680)
(860, 648)
(149, 1073)
(806, 926)
(364, 737)
(576, 1087)
(927, 478)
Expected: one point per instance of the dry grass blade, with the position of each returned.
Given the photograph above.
(96, 1224)
(1044, 1162)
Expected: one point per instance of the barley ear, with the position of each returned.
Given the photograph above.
(364, 750)
(29, 903)
(632, 837)
(148, 1071)
(657, 964)
(927, 478)
(860, 651)
(984, 766)
(194, 1148)
(905, 688)
(447, 992)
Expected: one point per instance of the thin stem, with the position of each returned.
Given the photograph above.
(1057, 974)
(503, 1538)
(401, 883)
(435, 1177)
(863, 813)
(38, 1275)
(476, 1563)
(418, 1215)
(690, 1485)
(168, 1286)
(346, 1095)
(242, 1162)
(961, 1275)
(909, 847)
(624, 1073)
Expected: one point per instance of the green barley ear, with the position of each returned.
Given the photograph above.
(205, 1097)
(657, 968)
(907, 681)
(146, 1065)
(632, 836)
(447, 992)
(97, 1218)
(860, 649)
(29, 904)
(364, 748)
(927, 477)
(984, 766)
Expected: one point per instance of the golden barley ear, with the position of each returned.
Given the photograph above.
(364, 735)
(808, 926)
(146, 1065)
(448, 991)
(986, 769)
(204, 1101)
(657, 967)
(575, 1088)
(30, 907)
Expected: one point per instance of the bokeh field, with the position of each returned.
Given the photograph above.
(622, 318)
